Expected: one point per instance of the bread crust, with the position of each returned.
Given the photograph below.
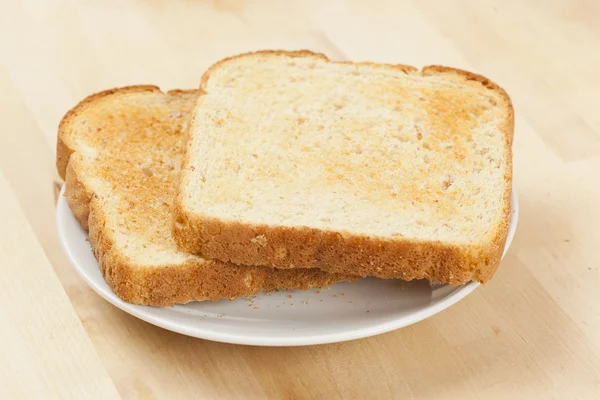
(161, 285)
(291, 247)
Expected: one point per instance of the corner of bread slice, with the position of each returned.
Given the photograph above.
(127, 280)
(65, 146)
(156, 285)
(506, 106)
(257, 56)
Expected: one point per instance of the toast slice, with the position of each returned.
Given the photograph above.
(359, 168)
(120, 153)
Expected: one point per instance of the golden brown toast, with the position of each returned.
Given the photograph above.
(358, 168)
(119, 152)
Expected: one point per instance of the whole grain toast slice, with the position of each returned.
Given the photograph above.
(358, 168)
(119, 152)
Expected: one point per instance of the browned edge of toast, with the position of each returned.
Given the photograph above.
(162, 285)
(291, 247)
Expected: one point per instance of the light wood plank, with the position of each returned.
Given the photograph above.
(45, 351)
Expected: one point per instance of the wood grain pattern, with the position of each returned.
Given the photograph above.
(532, 332)
(45, 350)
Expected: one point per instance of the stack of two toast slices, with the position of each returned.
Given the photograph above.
(287, 170)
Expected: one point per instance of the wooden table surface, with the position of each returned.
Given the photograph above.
(532, 332)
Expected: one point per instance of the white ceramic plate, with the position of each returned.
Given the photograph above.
(342, 312)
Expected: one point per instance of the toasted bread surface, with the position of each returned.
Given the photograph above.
(119, 152)
(358, 168)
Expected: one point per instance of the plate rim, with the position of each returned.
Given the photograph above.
(142, 312)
